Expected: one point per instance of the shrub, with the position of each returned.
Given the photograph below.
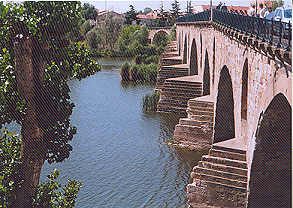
(150, 101)
(10, 162)
(152, 59)
(47, 195)
(125, 72)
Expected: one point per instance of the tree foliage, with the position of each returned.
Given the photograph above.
(130, 15)
(89, 11)
(102, 38)
(49, 23)
(188, 8)
(277, 4)
(147, 10)
(47, 195)
(174, 11)
(10, 179)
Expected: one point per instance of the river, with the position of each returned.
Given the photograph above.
(119, 153)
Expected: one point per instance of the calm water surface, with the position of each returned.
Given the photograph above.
(119, 153)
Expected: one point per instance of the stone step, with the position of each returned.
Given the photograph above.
(182, 87)
(169, 62)
(200, 104)
(226, 181)
(194, 129)
(218, 173)
(168, 84)
(217, 146)
(175, 99)
(193, 122)
(171, 74)
(202, 118)
(180, 94)
(183, 81)
(201, 140)
(201, 108)
(224, 161)
(171, 109)
(197, 112)
(227, 154)
(209, 194)
(223, 168)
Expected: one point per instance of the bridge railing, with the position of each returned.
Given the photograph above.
(274, 32)
(202, 16)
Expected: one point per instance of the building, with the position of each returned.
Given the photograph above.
(201, 8)
(101, 16)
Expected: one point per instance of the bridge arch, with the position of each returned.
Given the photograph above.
(206, 76)
(271, 170)
(184, 61)
(224, 121)
(193, 62)
(157, 30)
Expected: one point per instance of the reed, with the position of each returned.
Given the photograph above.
(150, 102)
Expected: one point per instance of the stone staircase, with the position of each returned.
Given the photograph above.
(176, 92)
(172, 71)
(167, 61)
(196, 130)
(220, 178)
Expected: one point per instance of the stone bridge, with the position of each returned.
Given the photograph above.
(153, 31)
(236, 90)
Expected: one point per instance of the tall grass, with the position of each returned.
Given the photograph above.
(150, 101)
(139, 72)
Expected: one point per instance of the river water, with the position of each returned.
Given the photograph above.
(119, 153)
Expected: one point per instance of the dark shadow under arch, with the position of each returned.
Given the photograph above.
(271, 170)
(224, 121)
(184, 61)
(206, 76)
(193, 67)
(244, 90)
(214, 60)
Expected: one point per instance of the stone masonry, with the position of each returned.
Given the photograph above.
(227, 176)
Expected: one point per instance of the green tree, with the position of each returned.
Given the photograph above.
(174, 11)
(147, 10)
(277, 4)
(37, 33)
(188, 8)
(130, 15)
(162, 21)
(173, 33)
(112, 29)
(89, 11)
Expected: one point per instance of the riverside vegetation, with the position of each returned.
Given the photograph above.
(53, 28)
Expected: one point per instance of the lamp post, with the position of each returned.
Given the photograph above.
(256, 8)
(211, 4)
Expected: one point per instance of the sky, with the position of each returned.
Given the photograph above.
(121, 6)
